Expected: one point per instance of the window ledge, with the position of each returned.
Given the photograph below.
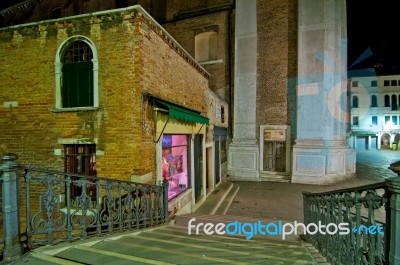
(76, 109)
(211, 62)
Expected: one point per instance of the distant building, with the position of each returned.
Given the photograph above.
(375, 111)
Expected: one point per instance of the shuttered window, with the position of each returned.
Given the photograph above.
(77, 76)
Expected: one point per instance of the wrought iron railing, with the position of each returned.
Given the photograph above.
(371, 215)
(60, 207)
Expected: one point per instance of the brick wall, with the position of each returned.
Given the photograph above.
(184, 31)
(132, 59)
(276, 63)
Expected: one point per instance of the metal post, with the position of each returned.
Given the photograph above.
(394, 187)
(165, 199)
(12, 243)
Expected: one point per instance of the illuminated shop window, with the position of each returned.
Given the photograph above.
(175, 163)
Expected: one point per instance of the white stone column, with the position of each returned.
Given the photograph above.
(320, 152)
(369, 142)
(243, 151)
(379, 141)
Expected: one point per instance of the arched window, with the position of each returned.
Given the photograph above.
(76, 74)
(394, 102)
(355, 102)
(387, 101)
(206, 46)
(374, 101)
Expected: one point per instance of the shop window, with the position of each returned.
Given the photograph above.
(374, 101)
(175, 163)
(76, 74)
(374, 83)
(354, 84)
(374, 120)
(387, 101)
(206, 46)
(355, 102)
(80, 159)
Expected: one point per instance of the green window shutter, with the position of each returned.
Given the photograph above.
(66, 91)
(77, 90)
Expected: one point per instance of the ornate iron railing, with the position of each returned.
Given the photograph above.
(57, 207)
(371, 215)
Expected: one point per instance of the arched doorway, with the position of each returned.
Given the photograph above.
(385, 141)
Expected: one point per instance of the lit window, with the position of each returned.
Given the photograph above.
(394, 120)
(374, 120)
(175, 163)
(387, 120)
(206, 46)
(76, 74)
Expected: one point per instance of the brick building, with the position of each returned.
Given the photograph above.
(109, 93)
(280, 65)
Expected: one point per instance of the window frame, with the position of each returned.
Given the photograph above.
(58, 74)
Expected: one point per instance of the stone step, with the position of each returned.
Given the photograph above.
(227, 201)
(215, 199)
(275, 178)
(172, 245)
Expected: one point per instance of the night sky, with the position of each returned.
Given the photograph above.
(372, 24)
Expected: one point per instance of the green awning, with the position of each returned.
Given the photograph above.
(182, 113)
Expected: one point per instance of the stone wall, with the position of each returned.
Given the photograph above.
(133, 58)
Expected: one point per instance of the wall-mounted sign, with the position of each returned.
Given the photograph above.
(274, 135)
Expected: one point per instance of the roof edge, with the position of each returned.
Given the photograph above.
(156, 27)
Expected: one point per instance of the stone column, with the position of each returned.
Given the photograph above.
(320, 152)
(369, 142)
(243, 151)
(12, 244)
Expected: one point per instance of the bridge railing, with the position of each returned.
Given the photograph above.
(371, 215)
(42, 207)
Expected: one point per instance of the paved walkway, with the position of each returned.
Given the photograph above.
(284, 201)
(172, 244)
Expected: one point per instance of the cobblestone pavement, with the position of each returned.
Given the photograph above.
(284, 201)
